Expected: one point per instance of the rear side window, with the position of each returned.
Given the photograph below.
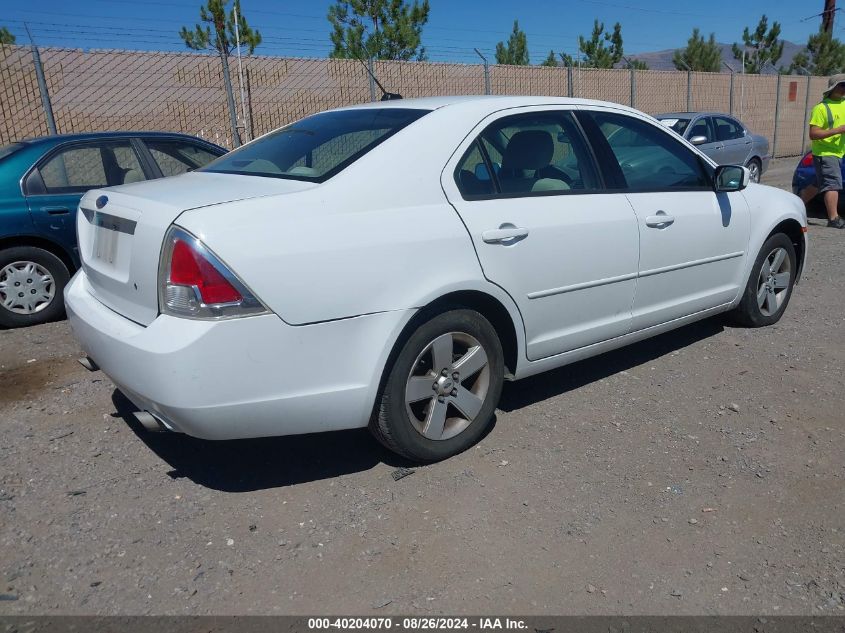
(727, 129)
(177, 157)
(81, 168)
(648, 158)
(317, 147)
(537, 153)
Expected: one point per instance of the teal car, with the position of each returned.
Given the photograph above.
(41, 182)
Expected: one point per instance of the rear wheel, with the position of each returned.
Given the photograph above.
(443, 388)
(755, 168)
(770, 286)
(32, 281)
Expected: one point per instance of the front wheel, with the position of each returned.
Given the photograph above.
(769, 288)
(755, 168)
(443, 388)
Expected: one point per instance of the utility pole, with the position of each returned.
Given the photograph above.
(827, 15)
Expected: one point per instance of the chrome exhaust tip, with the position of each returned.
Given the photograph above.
(149, 421)
(88, 363)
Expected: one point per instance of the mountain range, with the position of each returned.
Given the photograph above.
(662, 60)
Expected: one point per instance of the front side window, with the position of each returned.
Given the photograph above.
(701, 128)
(177, 157)
(541, 152)
(649, 159)
(727, 129)
(317, 147)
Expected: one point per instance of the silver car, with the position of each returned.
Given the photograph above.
(722, 138)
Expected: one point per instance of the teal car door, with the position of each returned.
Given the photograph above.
(55, 185)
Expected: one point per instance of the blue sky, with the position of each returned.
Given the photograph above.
(299, 27)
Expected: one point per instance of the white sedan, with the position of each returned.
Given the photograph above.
(390, 265)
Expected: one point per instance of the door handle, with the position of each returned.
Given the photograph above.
(505, 233)
(56, 210)
(659, 221)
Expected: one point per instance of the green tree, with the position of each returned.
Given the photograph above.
(825, 55)
(382, 29)
(222, 40)
(551, 60)
(763, 44)
(5, 36)
(515, 52)
(602, 50)
(636, 64)
(699, 55)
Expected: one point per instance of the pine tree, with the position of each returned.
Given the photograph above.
(602, 50)
(699, 55)
(222, 40)
(766, 48)
(825, 55)
(379, 29)
(551, 60)
(515, 52)
(5, 36)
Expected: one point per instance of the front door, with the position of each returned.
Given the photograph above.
(546, 231)
(692, 241)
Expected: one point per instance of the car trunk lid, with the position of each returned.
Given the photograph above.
(121, 230)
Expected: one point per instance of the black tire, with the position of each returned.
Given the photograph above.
(49, 311)
(759, 166)
(750, 312)
(392, 424)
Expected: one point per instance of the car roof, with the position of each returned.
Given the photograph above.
(689, 115)
(87, 136)
(484, 103)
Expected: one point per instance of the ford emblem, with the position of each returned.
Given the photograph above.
(101, 201)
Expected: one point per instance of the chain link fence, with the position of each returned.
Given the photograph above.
(132, 90)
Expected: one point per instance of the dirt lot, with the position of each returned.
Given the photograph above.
(699, 472)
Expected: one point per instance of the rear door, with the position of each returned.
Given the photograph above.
(55, 185)
(545, 229)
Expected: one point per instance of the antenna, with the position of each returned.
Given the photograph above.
(385, 95)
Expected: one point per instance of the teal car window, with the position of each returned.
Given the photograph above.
(80, 168)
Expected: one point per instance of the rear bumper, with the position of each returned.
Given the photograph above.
(238, 378)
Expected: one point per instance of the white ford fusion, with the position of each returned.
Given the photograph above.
(391, 264)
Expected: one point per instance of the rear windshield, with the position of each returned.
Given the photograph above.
(9, 149)
(317, 147)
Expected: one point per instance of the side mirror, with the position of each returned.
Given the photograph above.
(731, 178)
(698, 140)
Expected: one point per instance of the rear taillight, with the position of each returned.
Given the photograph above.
(193, 282)
(807, 160)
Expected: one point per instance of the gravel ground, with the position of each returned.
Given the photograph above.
(699, 472)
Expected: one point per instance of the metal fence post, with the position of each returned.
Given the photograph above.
(689, 91)
(805, 132)
(731, 98)
(731, 87)
(372, 74)
(777, 117)
(42, 85)
(487, 90)
(569, 87)
(633, 88)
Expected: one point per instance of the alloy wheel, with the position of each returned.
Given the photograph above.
(447, 385)
(773, 281)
